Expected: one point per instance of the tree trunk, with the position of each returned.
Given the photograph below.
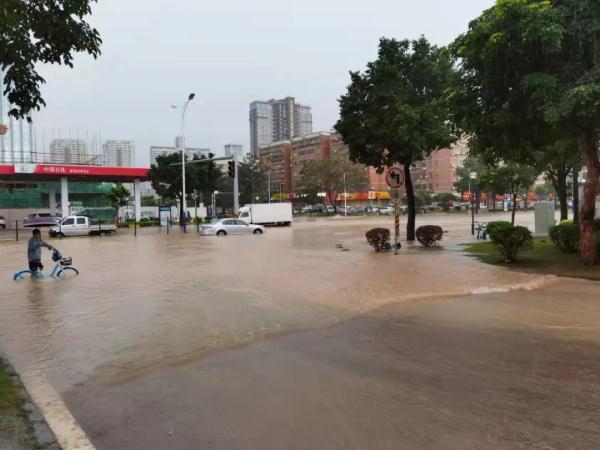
(410, 203)
(514, 206)
(560, 185)
(588, 210)
(576, 195)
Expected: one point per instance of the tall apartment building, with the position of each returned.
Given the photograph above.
(377, 181)
(277, 120)
(17, 144)
(70, 151)
(118, 153)
(441, 168)
(314, 146)
(157, 150)
(234, 149)
(275, 158)
(283, 160)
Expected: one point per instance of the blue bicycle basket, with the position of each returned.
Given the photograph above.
(56, 256)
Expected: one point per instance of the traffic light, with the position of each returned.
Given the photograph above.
(231, 169)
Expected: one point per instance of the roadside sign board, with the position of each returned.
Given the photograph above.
(395, 177)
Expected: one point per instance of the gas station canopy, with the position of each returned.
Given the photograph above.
(79, 173)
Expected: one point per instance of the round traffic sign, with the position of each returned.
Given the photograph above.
(395, 177)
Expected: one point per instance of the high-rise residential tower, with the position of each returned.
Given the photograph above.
(118, 153)
(277, 120)
(70, 151)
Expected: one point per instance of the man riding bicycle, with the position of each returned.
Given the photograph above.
(34, 251)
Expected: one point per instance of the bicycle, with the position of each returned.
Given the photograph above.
(62, 269)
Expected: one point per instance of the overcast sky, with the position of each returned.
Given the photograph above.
(155, 52)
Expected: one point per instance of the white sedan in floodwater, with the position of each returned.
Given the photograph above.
(223, 227)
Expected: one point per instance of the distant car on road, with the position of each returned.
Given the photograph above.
(81, 226)
(41, 220)
(2, 223)
(387, 210)
(223, 227)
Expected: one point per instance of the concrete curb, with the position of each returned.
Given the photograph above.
(41, 431)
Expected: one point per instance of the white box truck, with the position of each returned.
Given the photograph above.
(267, 214)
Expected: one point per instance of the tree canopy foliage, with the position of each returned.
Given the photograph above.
(165, 176)
(395, 112)
(118, 196)
(32, 32)
(327, 176)
(530, 77)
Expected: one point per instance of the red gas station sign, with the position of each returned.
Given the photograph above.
(56, 169)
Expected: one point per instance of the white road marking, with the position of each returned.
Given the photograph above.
(68, 433)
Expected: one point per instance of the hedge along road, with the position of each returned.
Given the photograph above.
(156, 303)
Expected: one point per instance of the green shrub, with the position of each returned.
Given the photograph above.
(378, 238)
(565, 236)
(510, 240)
(428, 235)
(497, 226)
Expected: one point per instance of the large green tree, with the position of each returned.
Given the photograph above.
(331, 177)
(530, 77)
(118, 196)
(509, 178)
(35, 31)
(165, 177)
(252, 181)
(558, 162)
(395, 111)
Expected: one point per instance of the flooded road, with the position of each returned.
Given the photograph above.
(157, 305)
(141, 301)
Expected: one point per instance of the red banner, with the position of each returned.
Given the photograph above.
(7, 170)
(54, 169)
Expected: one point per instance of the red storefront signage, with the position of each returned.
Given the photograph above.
(7, 170)
(71, 170)
(53, 169)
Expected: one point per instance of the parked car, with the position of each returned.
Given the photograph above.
(386, 210)
(357, 210)
(2, 223)
(223, 227)
(41, 220)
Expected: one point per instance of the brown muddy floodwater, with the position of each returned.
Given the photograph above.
(157, 298)
(432, 349)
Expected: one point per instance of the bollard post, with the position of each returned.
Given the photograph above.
(197, 225)
(99, 228)
(135, 227)
(17, 229)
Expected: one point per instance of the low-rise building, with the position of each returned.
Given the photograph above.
(234, 150)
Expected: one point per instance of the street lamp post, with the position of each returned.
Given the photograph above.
(214, 203)
(345, 196)
(182, 145)
(472, 176)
